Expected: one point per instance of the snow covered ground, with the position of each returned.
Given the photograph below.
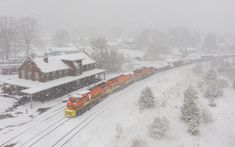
(117, 121)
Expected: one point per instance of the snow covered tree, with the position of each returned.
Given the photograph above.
(190, 112)
(119, 131)
(206, 116)
(222, 83)
(113, 60)
(209, 43)
(100, 51)
(146, 100)
(191, 92)
(211, 75)
(61, 38)
(159, 127)
(28, 28)
(138, 143)
(213, 91)
(212, 102)
(193, 126)
(8, 36)
(200, 85)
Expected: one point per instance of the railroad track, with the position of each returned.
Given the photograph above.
(63, 121)
(85, 122)
(76, 129)
(46, 119)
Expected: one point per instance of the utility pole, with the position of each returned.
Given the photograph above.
(31, 100)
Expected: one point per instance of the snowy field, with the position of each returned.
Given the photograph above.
(118, 122)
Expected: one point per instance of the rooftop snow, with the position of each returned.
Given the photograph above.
(55, 63)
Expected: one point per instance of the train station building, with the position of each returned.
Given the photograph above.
(50, 77)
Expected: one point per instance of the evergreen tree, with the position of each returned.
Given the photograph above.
(211, 75)
(213, 91)
(193, 126)
(191, 92)
(212, 102)
(190, 112)
(146, 99)
(159, 127)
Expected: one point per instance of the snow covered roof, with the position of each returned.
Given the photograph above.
(87, 61)
(83, 92)
(55, 63)
(35, 86)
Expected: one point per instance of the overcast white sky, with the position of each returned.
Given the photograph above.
(201, 15)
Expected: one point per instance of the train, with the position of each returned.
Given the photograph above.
(85, 100)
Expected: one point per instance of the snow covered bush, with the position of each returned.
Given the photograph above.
(119, 131)
(193, 126)
(206, 116)
(191, 92)
(213, 91)
(198, 69)
(211, 74)
(221, 83)
(159, 127)
(224, 66)
(138, 143)
(212, 102)
(146, 99)
(200, 85)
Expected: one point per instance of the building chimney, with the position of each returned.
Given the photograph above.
(45, 58)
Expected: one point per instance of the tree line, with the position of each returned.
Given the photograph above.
(156, 42)
(16, 34)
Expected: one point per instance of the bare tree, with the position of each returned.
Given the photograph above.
(114, 61)
(61, 38)
(210, 42)
(28, 31)
(8, 35)
(100, 50)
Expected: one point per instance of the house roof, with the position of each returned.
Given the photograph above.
(55, 63)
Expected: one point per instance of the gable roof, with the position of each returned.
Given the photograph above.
(55, 63)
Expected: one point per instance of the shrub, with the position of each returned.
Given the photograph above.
(138, 143)
(206, 116)
(159, 127)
